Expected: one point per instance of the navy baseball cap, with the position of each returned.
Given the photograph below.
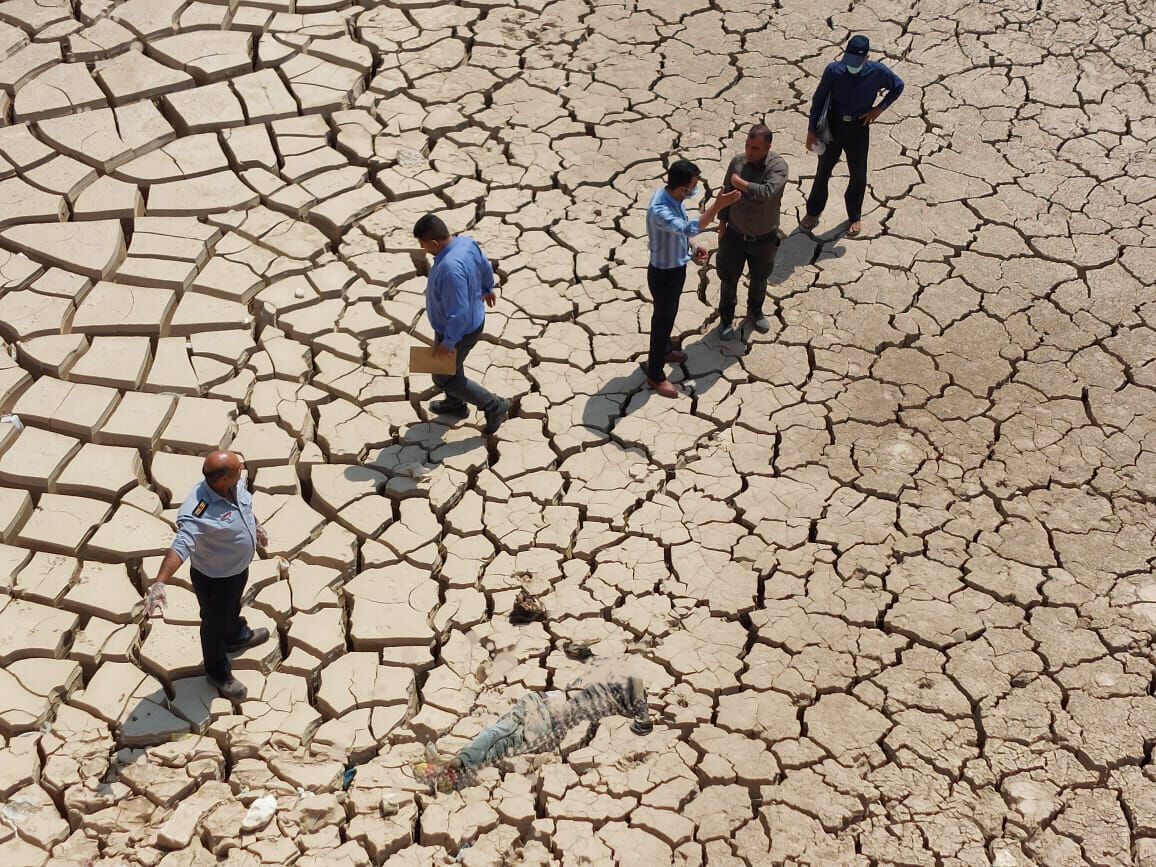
(857, 49)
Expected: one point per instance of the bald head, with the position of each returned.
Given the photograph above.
(222, 469)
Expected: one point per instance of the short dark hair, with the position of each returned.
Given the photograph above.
(430, 228)
(681, 173)
(762, 131)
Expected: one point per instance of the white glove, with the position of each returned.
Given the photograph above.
(157, 600)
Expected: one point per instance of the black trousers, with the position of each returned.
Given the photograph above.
(458, 388)
(733, 255)
(221, 620)
(851, 138)
(666, 290)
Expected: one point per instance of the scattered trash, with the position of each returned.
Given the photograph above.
(462, 851)
(299, 292)
(17, 808)
(260, 812)
(527, 609)
(12, 419)
(410, 157)
(537, 723)
(413, 470)
(577, 651)
(282, 568)
(347, 777)
(391, 803)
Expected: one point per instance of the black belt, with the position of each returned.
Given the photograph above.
(754, 239)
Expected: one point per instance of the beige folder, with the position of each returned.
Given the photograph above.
(422, 360)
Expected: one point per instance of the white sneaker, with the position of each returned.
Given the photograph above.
(761, 325)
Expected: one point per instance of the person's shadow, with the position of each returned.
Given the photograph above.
(420, 448)
(708, 355)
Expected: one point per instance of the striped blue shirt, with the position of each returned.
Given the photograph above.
(669, 230)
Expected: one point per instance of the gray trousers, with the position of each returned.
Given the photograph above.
(460, 389)
(733, 255)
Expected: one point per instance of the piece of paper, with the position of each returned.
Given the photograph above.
(422, 360)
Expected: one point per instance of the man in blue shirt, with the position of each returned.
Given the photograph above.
(669, 231)
(459, 281)
(851, 86)
(216, 528)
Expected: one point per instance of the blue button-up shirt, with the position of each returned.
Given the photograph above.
(669, 230)
(854, 95)
(460, 276)
(221, 537)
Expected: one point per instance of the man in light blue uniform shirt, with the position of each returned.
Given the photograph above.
(669, 230)
(459, 281)
(217, 530)
(852, 85)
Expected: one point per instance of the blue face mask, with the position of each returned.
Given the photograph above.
(854, 70)
(692, 193)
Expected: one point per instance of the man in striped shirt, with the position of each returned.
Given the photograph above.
(669, 231)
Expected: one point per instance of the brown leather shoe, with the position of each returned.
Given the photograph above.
(675, 356)
(231, 689)
(665, 388)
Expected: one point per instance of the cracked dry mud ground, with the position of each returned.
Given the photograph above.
(888, 570)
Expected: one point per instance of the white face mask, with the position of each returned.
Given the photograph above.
(854, 70)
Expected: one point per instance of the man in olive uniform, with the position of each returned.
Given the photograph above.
(748, 232)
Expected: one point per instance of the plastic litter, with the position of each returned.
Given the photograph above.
(12, 419)
(413, 470)
(391, 803)
(260, 812)
(347, 777)
(538, 723)
(16, 809)
(282, 568)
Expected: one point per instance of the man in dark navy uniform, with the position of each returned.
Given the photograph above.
(851, 85)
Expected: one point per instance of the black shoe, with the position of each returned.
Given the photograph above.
(495, 416)
(760, 322)
(252, 638)
(448, 406)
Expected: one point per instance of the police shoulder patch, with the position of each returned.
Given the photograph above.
(200, 508)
